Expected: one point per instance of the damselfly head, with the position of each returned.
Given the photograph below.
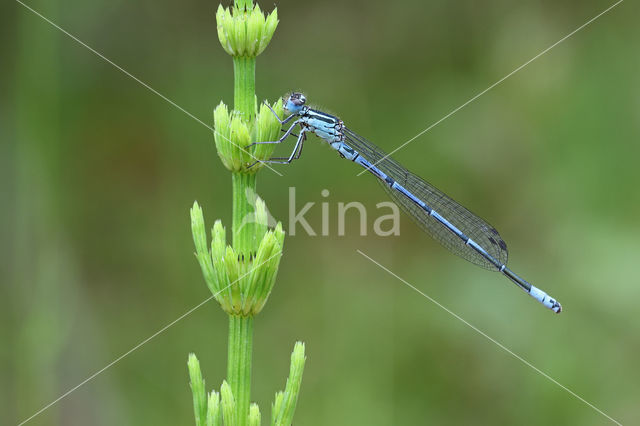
(294, 102)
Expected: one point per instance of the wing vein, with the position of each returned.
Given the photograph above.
(469, 223)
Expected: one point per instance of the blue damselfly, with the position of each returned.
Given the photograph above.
(451, 224)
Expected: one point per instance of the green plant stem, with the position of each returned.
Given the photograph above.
(244, 85)
(239, 363)
(241, 328)
(244, 241)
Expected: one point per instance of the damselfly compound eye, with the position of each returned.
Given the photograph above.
(298, 98)
(295, 102)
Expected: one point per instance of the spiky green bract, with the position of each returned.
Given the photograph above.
(198, 390)
(225, 408)
(276, 407)
(254, 415)
(214, 413)
(228, 405)
(240, 283)
(233, 135)
(244, 30)
(267, 128)
(284, 405)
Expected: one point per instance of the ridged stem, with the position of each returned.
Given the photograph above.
(244, 187)
(239, 364)
(244, 242)
(244, 85)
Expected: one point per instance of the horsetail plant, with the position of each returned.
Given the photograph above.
(241, 275)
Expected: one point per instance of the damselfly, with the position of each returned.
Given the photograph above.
(455, 227)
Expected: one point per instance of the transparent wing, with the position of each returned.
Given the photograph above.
(473, 226)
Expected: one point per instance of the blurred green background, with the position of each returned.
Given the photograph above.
(98, 173)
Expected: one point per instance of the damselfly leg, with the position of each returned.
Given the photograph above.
(295, 154)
